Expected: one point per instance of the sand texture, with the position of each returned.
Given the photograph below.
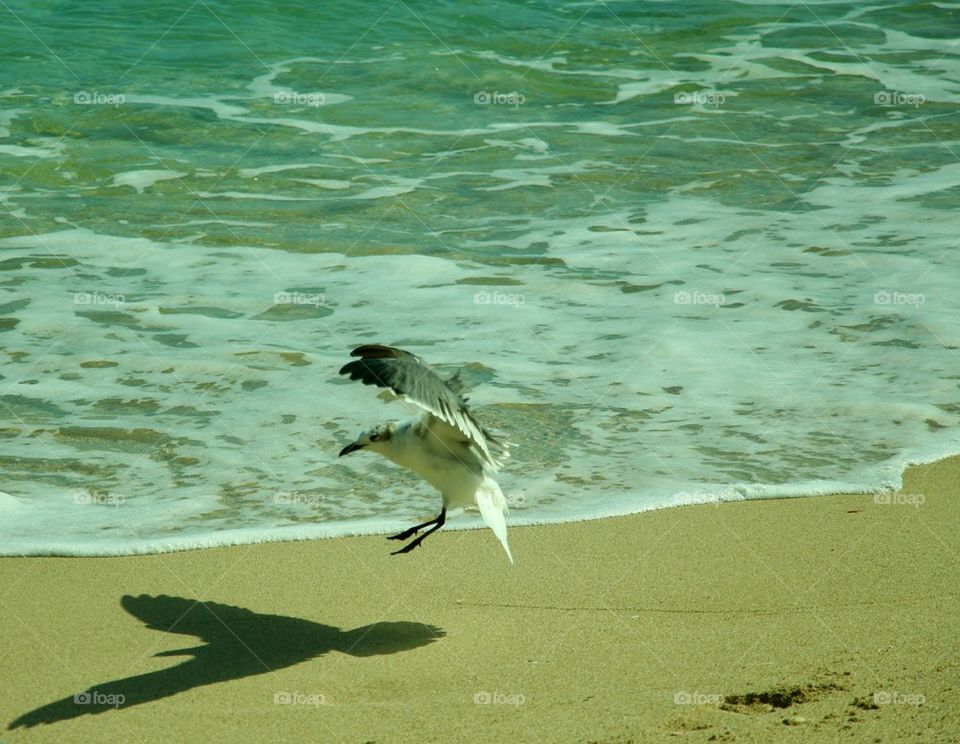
(821, 619)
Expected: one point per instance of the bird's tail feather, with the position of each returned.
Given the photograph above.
(493, 508)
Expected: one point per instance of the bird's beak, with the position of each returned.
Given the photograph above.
(352, 447)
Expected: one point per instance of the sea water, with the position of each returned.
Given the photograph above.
(683, 252)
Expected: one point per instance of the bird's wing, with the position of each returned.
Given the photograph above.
(413, 380)
(492, 459)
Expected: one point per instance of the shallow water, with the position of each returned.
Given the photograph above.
(685, 252)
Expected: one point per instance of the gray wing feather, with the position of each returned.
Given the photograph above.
(411, 378)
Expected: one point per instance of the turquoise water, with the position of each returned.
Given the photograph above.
(686, 253)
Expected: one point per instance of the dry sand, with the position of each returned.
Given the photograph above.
(801, 620)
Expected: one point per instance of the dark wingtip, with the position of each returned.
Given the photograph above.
(358, 370)
(379, 351)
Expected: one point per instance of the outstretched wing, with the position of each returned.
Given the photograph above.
(413, 380)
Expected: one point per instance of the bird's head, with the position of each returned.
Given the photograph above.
(377, 439)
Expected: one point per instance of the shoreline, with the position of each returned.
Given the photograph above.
(308, 532)
(788, 619)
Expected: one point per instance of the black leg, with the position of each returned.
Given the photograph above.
(416, 528)
(437, 524)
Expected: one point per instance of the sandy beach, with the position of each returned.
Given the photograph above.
(798, 620)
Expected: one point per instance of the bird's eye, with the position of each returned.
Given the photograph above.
(374, 437)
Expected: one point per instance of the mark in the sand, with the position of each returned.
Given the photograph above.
(776, 698)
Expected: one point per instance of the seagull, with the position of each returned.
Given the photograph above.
(446, 445)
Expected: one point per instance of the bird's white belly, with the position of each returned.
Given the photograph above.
(458, 488)
(457, 483)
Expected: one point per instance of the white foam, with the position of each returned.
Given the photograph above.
(39, 147)
(244, 195)
(330, 184)
(398, 186)
(908, 185)
(263, 86)
(230, 223)
(215, 104)
(281, 168)
(7, 117)
(140, 180)
(285, 470)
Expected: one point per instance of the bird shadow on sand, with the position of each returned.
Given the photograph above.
(236, 643)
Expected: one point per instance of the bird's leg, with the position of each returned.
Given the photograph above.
(416, 528)
(437, 523)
